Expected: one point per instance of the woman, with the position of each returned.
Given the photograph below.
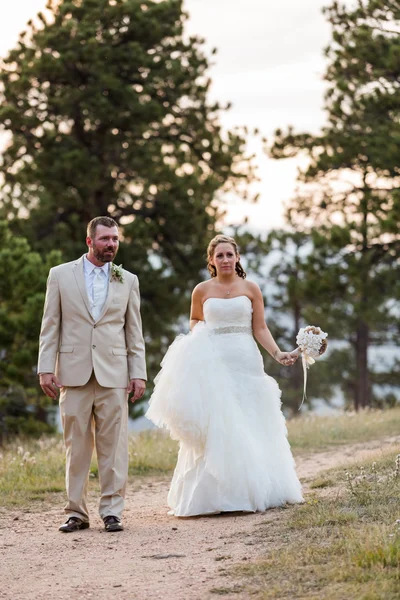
(213, 396)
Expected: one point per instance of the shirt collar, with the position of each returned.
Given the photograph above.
(89, 266)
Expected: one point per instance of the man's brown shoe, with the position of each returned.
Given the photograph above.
(73, 524)
(112, 523)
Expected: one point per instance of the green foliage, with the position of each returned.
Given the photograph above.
(23, 276)
(349, 203)
(106, 104)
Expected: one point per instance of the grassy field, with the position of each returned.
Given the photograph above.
(342, 545)
(312, 434)
(34, 470)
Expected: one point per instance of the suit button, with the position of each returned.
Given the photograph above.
(94, 326)
(93, 346)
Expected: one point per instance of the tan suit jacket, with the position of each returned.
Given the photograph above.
(72, 344)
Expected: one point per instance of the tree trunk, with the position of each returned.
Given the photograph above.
(362, 388)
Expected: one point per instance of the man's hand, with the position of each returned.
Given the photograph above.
(49, 384)
(137, 386)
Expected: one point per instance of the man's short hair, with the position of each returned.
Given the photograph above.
(92, 226)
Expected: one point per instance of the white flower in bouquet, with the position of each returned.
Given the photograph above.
(312, 343)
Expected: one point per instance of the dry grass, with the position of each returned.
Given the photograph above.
(34, 470)
(344, 545)
(312, 433)
(152, 452)
(31, 470)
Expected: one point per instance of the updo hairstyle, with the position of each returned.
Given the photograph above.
(223, 239)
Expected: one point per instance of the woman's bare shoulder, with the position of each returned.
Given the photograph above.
(252, 288)
(201, 289)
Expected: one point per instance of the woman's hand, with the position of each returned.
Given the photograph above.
(286, 358)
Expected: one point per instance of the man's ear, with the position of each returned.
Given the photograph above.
(89, 242)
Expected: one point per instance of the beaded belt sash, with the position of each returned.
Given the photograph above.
(232, 329)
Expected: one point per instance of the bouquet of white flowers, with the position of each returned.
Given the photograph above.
(312, 343)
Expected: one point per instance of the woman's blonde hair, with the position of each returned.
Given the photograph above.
(223, 239)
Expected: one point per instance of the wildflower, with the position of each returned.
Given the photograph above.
(20, 450)
(27, 459)
(397, 470)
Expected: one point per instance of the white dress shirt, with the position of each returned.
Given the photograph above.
(96, 281)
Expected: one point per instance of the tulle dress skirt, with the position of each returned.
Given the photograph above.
(213, 395)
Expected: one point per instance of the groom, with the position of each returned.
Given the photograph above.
(91, 347)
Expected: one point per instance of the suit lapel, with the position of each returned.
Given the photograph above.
(80, 280)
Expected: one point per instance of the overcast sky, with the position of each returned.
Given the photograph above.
(269, 65)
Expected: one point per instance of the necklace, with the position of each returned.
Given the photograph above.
(228, 292)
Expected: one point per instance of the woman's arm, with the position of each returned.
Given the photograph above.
(262, 332)
(196, 308)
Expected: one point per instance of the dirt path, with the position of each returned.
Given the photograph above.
(156, 557)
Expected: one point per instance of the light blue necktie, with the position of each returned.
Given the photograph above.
(99, 292)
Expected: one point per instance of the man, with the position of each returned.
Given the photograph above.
(91, 347)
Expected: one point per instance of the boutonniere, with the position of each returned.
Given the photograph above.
(117, 273)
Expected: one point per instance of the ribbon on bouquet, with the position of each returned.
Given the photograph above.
(306, 361)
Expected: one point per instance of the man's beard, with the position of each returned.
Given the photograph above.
(101, 255)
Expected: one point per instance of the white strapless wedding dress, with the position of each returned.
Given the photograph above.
(213, 395)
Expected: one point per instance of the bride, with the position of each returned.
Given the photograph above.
(213, 395)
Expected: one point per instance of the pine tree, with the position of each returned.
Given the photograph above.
(351, 202)
(106, 104)
(23, 275)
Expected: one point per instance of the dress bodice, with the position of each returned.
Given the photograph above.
(225, 312)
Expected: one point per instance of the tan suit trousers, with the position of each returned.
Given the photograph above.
(92, 414)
